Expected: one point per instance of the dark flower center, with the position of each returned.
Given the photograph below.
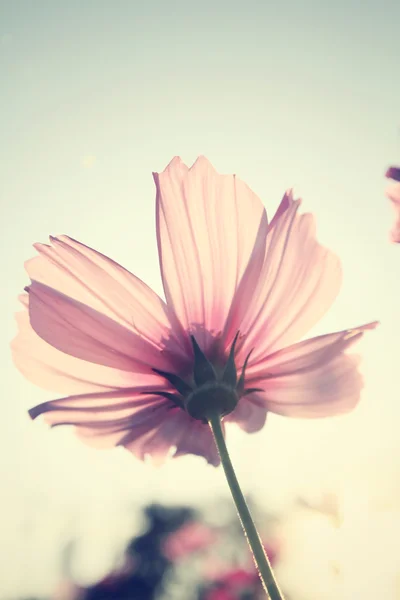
(213, 390)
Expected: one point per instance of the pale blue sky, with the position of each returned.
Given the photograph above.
(94, 97)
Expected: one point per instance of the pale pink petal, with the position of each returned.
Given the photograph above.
(155, 430)
(207, 225)
(95, 409)
(284, 205)
(196, 438)
(133, 432)
(81, 331)
(97, 281)
(325, 391)
(250, 279)
(301, 355)
(314, 378)
(250, 413)
(297, 283)
(53, 370)
(170, 428)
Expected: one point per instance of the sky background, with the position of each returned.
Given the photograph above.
(97, 95)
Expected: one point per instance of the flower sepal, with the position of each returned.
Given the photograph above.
(211, 397)
(212, 390)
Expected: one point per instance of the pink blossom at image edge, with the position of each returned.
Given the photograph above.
(393, 193)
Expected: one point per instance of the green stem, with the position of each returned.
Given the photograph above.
(260, 558)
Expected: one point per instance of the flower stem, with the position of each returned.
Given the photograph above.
(260, 558)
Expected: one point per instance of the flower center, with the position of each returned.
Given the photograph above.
(211, 390)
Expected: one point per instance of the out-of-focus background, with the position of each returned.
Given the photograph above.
(94, 96)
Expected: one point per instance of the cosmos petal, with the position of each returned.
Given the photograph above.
(250, 413)
(93, 279)
(196, 438)
(314, 378)
(207, 226)
(80, 331)
(297, 283)
(133, 432)
(167, 429)
(51, 369)
(95, 408)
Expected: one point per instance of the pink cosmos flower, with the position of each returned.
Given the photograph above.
(393, 193)
(240, 292)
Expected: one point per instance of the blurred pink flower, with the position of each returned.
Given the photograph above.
(191, 537)
(230, 583)
(219, 594)
(233, 584)
(393, 193)
(140, 372)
